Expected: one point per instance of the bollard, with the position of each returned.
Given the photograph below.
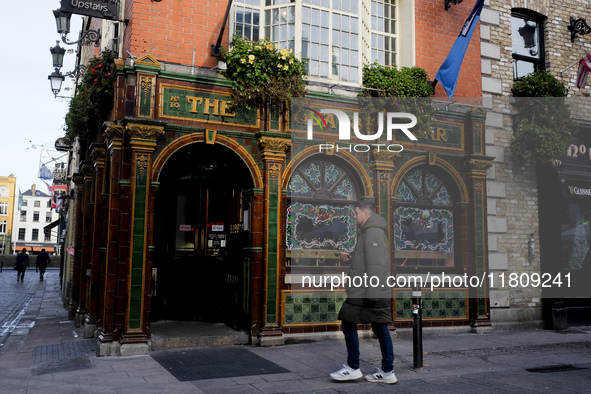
(417, 328)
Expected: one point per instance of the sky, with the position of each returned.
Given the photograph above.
(32, 119)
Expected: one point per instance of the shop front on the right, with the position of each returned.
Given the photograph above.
(565, 234)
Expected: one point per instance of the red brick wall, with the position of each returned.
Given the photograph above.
(170, 30)
(436, 32)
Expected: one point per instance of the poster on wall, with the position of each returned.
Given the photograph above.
(59, 194)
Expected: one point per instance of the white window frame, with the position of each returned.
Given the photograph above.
(4, 191)
(3, 226)
(405, 35)
(3, 208)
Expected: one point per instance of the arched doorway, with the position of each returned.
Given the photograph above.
(201, 209)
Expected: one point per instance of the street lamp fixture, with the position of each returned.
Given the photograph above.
(57, 55)
(55, 79)
(62, 23)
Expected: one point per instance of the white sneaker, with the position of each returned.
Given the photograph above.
(346, 373)
(382, 377)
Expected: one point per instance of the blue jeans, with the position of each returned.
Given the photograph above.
(352, 342)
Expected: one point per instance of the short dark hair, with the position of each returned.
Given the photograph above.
(366, 205)
(24, 250)
(43, 250)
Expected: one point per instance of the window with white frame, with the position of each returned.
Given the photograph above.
(23, 216)
(47, 217)
(527, 35)
(35, 236)
(2, 226)
(3, 209)
(35, 216)
(4, 192)
(21, 234)
(335, 38)
(37, 203)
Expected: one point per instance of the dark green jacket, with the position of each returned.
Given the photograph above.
(369, 304)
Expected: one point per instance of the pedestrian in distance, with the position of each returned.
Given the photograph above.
(22, 262)
(368, 304)
(42, 260)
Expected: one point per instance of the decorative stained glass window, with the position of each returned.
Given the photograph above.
(320, 212)
(322, 180)
(423, 221)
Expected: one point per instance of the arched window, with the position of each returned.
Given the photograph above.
(320, 220)
(423, 221)
(4, 192)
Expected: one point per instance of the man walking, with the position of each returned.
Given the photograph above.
(368, 304)
(42, 260)
(22, 262)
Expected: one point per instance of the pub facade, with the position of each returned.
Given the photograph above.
(185, 209)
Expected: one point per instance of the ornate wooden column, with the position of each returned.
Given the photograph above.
(257, 266)
(85, 244)
(77, 226)
(114, 138)
(479, 308)
(273, 152)
(382, 164)
(97, 153)
(143, 143)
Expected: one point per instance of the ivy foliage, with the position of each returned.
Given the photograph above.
(543, 128)
(93, 101)
(393, 89)
(261, 72)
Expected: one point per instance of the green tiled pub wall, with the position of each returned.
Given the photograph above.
(436, 304)
(303, 308)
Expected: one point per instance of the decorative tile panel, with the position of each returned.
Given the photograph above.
(438, 304)
(311, 308)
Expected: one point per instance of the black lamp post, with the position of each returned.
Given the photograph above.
(55, 79)
(62, 23)
(57, 55)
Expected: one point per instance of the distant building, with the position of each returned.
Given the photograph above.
(35, 214)
(7, 207)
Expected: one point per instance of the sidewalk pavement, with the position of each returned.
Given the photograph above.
(46, 354)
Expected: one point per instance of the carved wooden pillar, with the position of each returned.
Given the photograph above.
(85, 244)
(382, 163)
(143, 143)
(479, 308)
(114, 137)
(273, 152)
(77, 226)
(97, 153)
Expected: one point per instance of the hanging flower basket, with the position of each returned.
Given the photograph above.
(94, 97)
(262, 73)
(543, 128)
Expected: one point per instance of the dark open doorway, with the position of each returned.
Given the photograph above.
(200, 272)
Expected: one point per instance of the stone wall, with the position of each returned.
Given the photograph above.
(511, 184)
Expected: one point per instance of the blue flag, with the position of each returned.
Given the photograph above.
(450, 69)
(44, 172)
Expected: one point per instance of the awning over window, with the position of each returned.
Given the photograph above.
(47, 229)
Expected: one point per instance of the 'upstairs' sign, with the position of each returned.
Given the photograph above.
(102, 9)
